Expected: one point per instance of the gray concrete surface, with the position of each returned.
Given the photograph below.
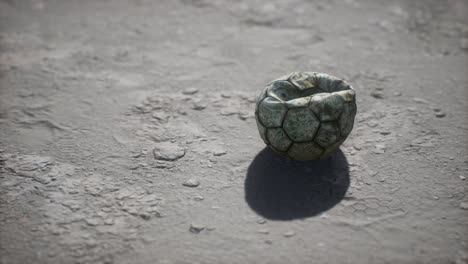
(127, 132)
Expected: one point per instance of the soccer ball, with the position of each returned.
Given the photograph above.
(305, 115)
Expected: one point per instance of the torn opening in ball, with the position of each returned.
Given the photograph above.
(306, 115)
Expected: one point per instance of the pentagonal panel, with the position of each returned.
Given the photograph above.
(283, 90)
(278, 139)
(305, 151)
(300, 124)
(261, 129)
(346, 120)
(298, 103)
(327, 134)
(271, 112)
(327, 107)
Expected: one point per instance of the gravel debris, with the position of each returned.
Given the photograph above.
(196, 228)
(289, 234)
(192, 182)
(168, 152)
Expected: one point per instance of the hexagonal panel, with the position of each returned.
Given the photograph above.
(278, 139)
(298, 103)
(305, 151)
(346, 120)
(261, 96)
(271, 112)
(282, 78)
(303, 80)
(306, 83)
(347, 95)
(300, 124)
(332, 148)
(259, 99)
(327, 82)
(327, 107)
(283, 90)
(261, 130)
(343, 86)
(327, 134)
(312, 91)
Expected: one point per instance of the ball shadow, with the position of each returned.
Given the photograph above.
(278, 188)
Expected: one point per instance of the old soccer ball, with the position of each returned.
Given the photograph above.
(306, 115)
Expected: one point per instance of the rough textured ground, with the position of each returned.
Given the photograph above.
(127, 132)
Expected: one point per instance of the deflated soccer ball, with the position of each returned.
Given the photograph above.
(305, 115)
